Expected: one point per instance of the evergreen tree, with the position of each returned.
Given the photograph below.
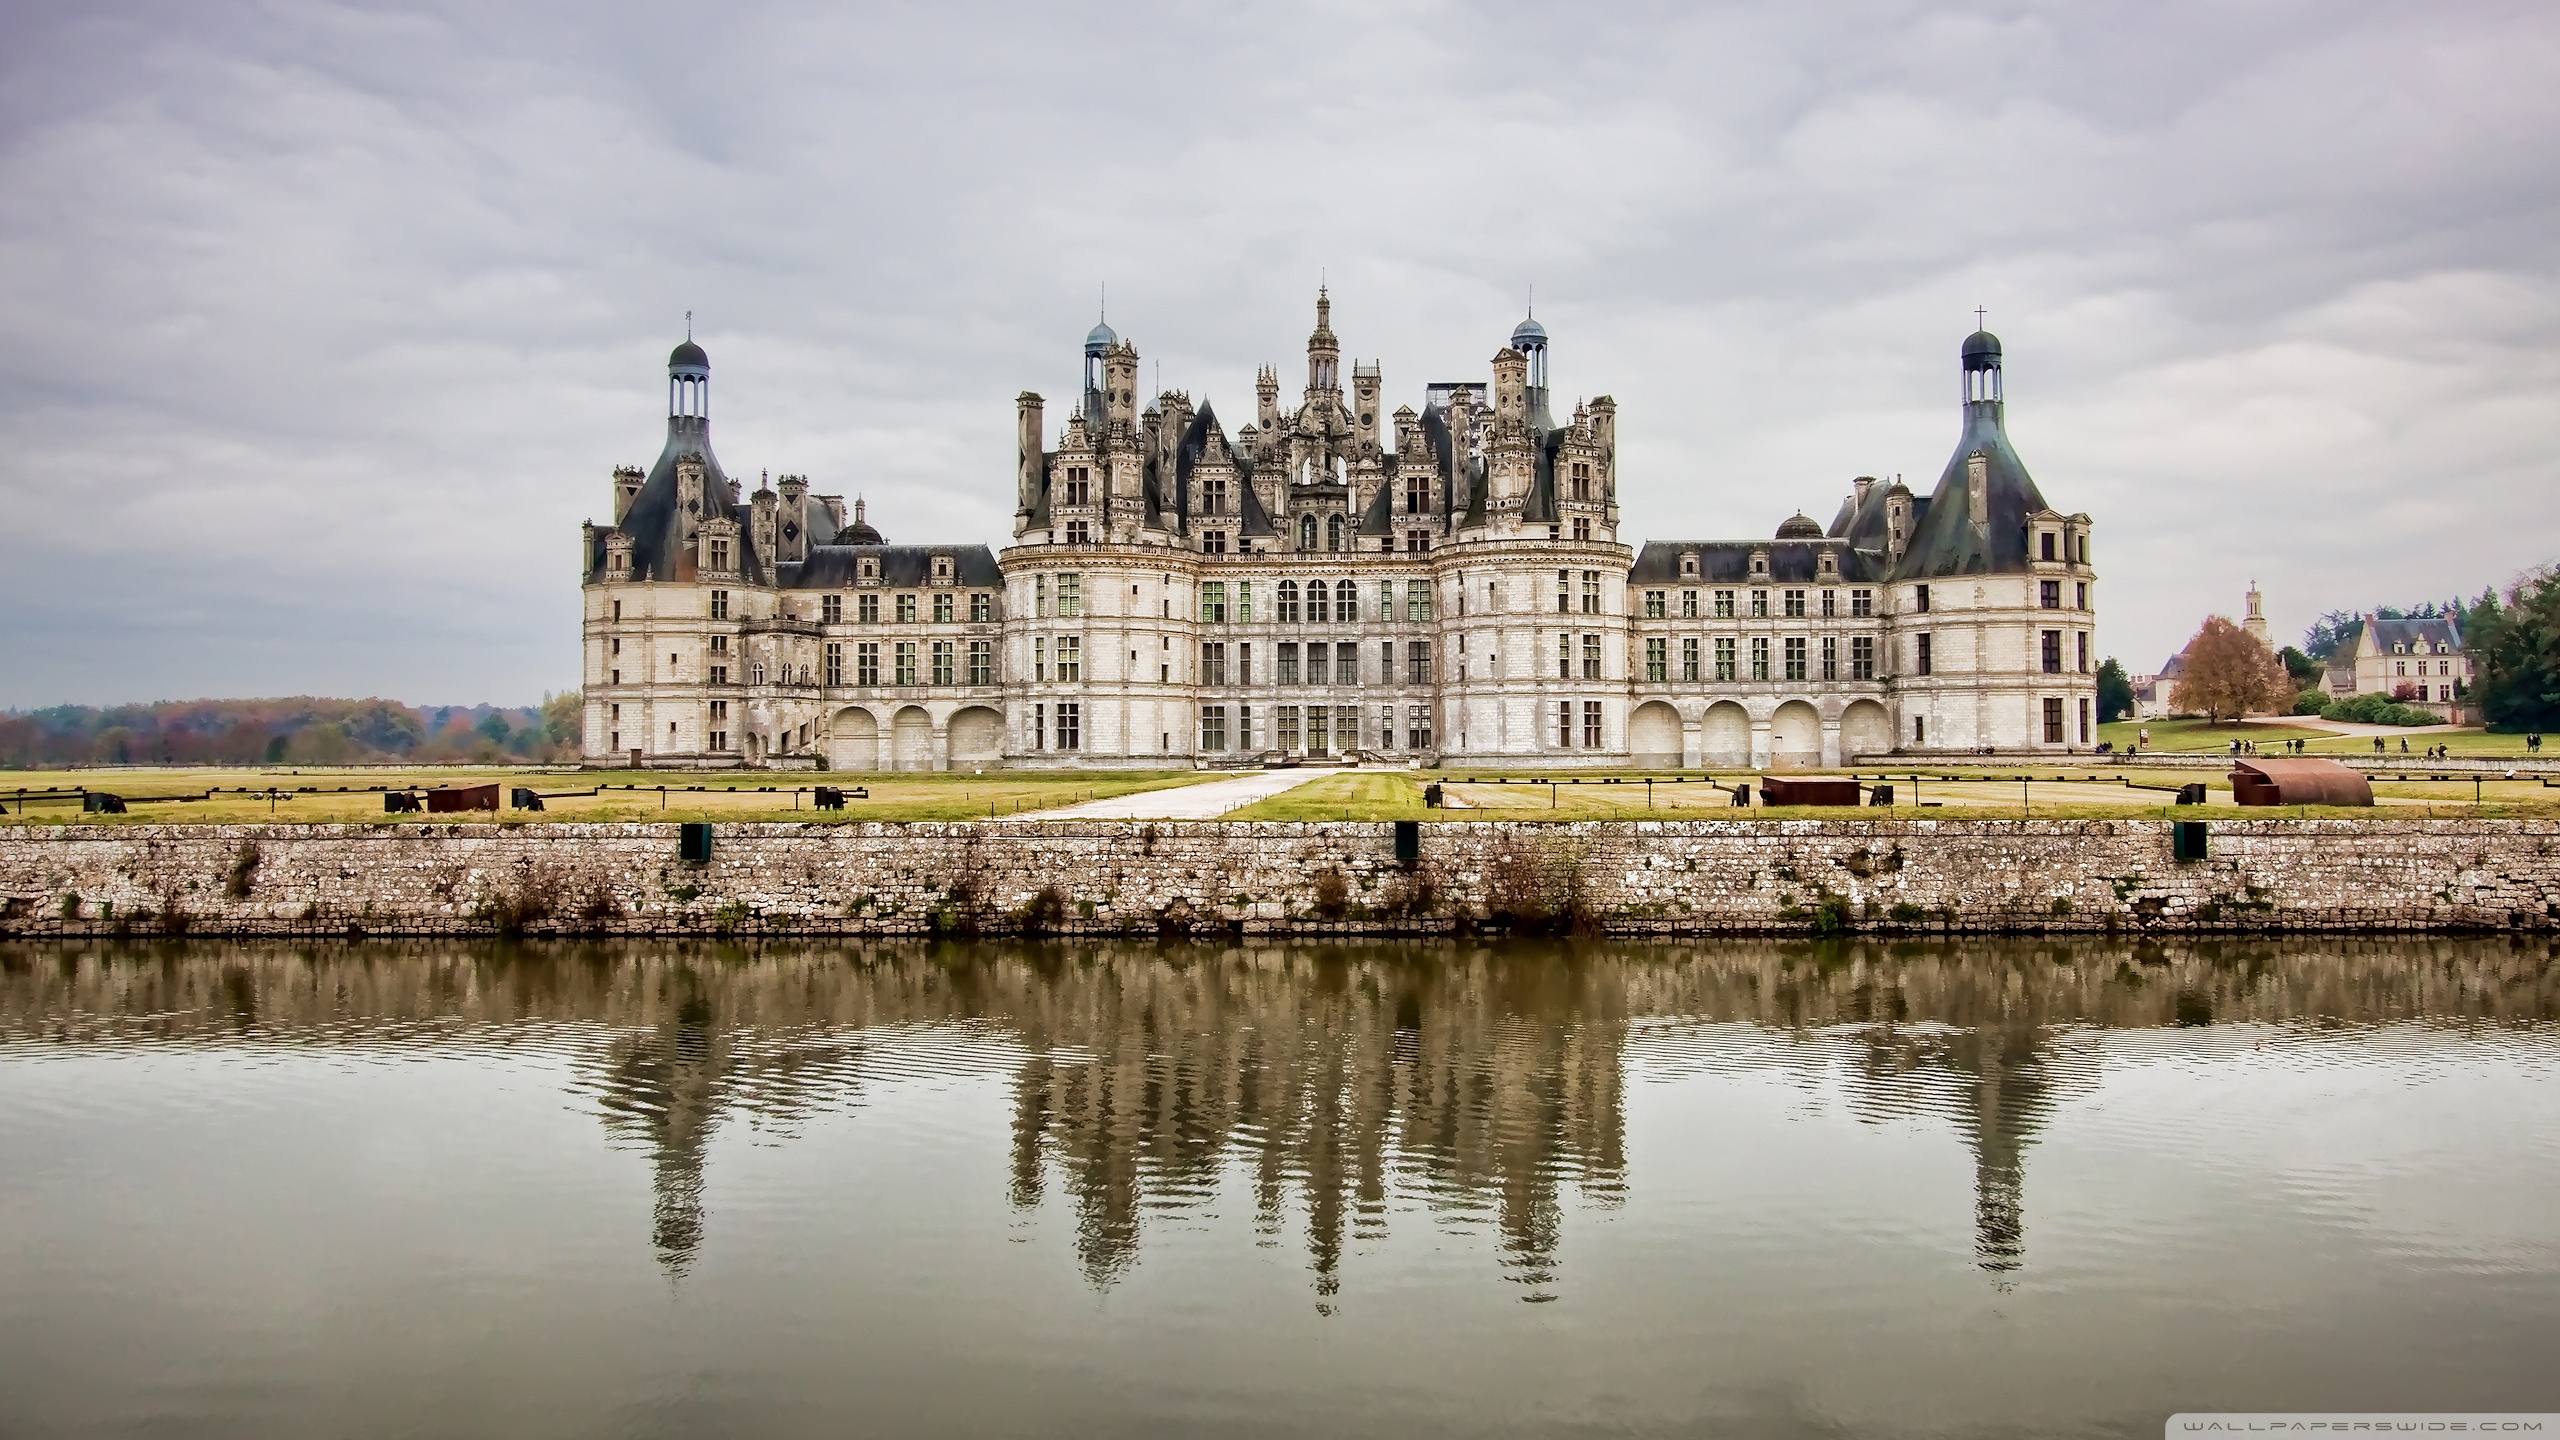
(2115, 691)
(2515, 653)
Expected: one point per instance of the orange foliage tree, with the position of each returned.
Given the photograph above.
(2228, 674)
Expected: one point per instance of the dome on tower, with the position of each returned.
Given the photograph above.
(1981, 345)
(688, 354)
(1529, 333)
(1100, 339)
(1800, 526)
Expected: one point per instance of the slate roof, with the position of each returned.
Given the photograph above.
(902, 567)
(1944, 540)
(1728, 562)
(660, 532)
(2436, 632)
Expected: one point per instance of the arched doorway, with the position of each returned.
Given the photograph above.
(1724, 737)
(1795, 736)
(1864, 730)
(911, 739)
(854, 741)
(977, 738)
(1653, 736)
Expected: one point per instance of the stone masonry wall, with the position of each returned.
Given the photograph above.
(1685, 877)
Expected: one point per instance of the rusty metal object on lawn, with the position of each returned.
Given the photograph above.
(2297, 782)
(463, 797)
(1809, 789)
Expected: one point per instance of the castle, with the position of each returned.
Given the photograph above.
(1329, 580)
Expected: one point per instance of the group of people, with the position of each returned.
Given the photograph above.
(2250, 747)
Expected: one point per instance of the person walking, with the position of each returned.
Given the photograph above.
(2142, 738)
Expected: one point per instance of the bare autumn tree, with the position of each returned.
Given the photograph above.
(2228, 674)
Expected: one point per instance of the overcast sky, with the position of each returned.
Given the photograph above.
(328, 323)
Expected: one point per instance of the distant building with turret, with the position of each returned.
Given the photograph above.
(1330, 579)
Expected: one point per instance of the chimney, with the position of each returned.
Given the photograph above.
(1029, 480)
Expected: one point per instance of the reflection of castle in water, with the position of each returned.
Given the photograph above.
(1483, 1085)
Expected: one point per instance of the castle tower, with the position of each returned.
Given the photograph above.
(1324, 354)
(2256, 623)
(1097, 349)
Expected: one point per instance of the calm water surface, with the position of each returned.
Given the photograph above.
(1745, 1189)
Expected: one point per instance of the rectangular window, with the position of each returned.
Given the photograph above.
(943, 602)
(1417, 601)
(1862, 657)
(1346, 605)
(1070, 725)
(1346, 727)
(1920, 599)
(1319, 663)
(1213, 542)
(2080, 639)
(1079, 485)
(1417, 495)
(1564, 592)
(2052, 652)
(906, 662)
(1244, 664)
(1830, 657)
(1071, 657)
(1590, 657)
(1794, 602)
(719, 561)
(982, 608)
(1070, 596)
(1213, 727)
(1417, 727)
(1346, 663)
(1244, 601)
(1590, 592)
(2053, 720)
(867, 609)
(2046, 547)
(2049, 593)
(1386, 601)
(720, 604)
(866, 663)
(1213, 602)
(982, 662)
(1039, 596)
(1655, 604)
(1760, 657)
(1319, 729)
(1590, 724)
(1759, 604)
(1919, 729)
(1724, 604)
(835, 664)
(1039, 727)
(1724, 658)
(1657, 659)
(1039, 657)
(1286, 736)
(1288, 662)
(1829, 601)
(2083, 602)
(1689, 660)
(1564, 724)
(1795, 657)
(1862, 602)
(719, 674)
(1417, 662)
(831, 609)
(1564, 657)
(1688, 604)
(1920, 655)
(906, 609)
(2084, 721)
(1213, 662)
(1244, 727)
(944, 668)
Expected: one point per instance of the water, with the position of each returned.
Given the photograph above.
(1745, 1189)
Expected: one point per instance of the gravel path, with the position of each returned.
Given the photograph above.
(1205, 801)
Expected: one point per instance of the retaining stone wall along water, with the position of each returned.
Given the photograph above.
(1680, 877)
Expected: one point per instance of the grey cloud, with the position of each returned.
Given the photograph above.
(328, 321)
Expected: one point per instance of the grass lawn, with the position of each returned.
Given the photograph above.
(2197, 737)
(319, 796)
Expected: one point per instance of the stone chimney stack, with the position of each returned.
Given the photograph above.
(1029, 479)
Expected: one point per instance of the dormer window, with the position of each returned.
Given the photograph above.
(1689, 566)
(941, 569)
(2399, 649)
(1760, 563)
(869, 572)
(1830, 563)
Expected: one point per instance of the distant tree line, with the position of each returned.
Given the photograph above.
(300, 730)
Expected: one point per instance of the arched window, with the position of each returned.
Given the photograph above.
(1289, 602)
(1315, 602)
(1346, 603)
(758, 667)
(1333, 532)
(1306, 532)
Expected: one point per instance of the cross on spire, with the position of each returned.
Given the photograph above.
(688, 324)
(1977, 317)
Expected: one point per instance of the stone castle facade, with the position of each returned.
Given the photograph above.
(1330, 579)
